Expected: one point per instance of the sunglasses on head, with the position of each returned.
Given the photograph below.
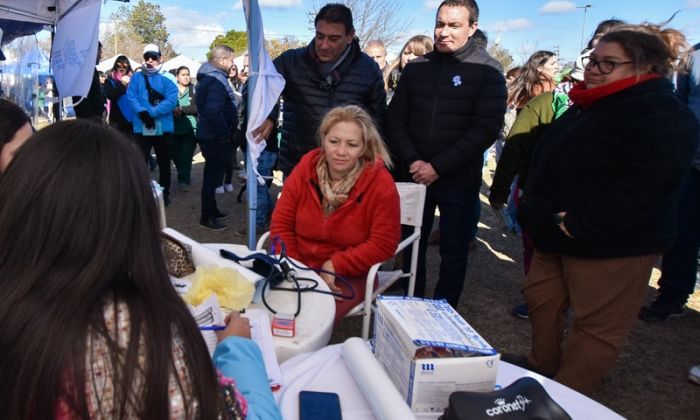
(151, 56)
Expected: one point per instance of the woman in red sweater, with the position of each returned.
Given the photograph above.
(339, 209)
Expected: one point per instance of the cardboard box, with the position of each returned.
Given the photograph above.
(429, 351)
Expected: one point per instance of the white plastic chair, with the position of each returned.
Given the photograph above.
(412, 198)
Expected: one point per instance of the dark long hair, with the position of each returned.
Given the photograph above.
(531, 81)
(12, 118)
(75, 234)
(122, 59)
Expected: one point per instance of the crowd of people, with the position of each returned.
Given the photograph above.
(599, 162)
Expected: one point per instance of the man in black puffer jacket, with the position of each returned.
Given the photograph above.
(447, 110)
(331, 71)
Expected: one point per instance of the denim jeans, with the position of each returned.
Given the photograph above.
(215, 153)
(679, 264)
(458, 206)
(266, 162)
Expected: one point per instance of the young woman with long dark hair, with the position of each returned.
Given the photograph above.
(90, 324)
(120, 112)
(535, 77)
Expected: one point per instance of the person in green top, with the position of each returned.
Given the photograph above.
(532, 121)
(185, 121)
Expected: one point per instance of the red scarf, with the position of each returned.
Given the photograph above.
(584, 98)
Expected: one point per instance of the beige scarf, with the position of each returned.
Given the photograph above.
(335, 195)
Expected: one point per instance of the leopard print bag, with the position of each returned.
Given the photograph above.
(178, 256)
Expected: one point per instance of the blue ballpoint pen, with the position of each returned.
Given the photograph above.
(212, 327)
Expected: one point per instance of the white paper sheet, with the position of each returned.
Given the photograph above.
(208, 313)
(261, 333)
(379, 391)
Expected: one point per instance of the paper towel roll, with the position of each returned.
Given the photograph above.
(379, 391)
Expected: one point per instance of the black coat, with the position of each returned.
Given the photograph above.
(93, 106)
(308, 96)
(447, 110)
(615, 168)
(218, 116)
(114, 90)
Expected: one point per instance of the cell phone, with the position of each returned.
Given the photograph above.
(319, 406)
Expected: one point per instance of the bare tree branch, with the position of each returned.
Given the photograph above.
(375, 19)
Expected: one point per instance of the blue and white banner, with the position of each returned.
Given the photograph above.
(265, 85)
(74, 51)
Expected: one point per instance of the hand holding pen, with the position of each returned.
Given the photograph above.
(236, 325)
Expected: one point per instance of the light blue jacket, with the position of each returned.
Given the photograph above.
(137, 94)
(688, 86)
(240, 359)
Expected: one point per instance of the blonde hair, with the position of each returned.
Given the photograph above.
(374, 146)
(419, 45)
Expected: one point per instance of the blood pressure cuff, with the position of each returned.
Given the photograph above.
(524, 399)
(263, 264)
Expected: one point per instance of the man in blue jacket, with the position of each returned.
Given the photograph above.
(217, 124)
(153, 97)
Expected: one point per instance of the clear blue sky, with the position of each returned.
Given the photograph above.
(522, 26)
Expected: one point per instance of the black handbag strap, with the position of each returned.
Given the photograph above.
(152, 93)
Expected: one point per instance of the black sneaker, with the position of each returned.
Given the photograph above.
(212, 224)
(520, 311)
(663, 308)
(220, 215)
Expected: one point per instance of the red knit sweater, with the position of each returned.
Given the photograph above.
(363, 231)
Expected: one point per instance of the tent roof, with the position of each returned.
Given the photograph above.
(37, 11)
(182, 60)
(107, 64)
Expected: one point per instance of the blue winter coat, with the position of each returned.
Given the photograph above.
(138, 99)
(218, 116)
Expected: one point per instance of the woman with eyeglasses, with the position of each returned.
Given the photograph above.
(120, 112)
(600, 204)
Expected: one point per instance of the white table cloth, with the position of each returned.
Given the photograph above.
(326, 371)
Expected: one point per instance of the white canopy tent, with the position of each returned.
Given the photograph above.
(106, 65)
(182, 60)
(38, 11)
(76, 24)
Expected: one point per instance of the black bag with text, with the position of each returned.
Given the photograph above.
(524, 399)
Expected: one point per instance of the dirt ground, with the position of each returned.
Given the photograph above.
(649, 379)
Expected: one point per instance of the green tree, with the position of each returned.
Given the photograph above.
(238, 40)
(137, 25)
(502, 55)
(275, 47)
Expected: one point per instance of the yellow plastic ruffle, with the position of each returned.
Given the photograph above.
(230, 287)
